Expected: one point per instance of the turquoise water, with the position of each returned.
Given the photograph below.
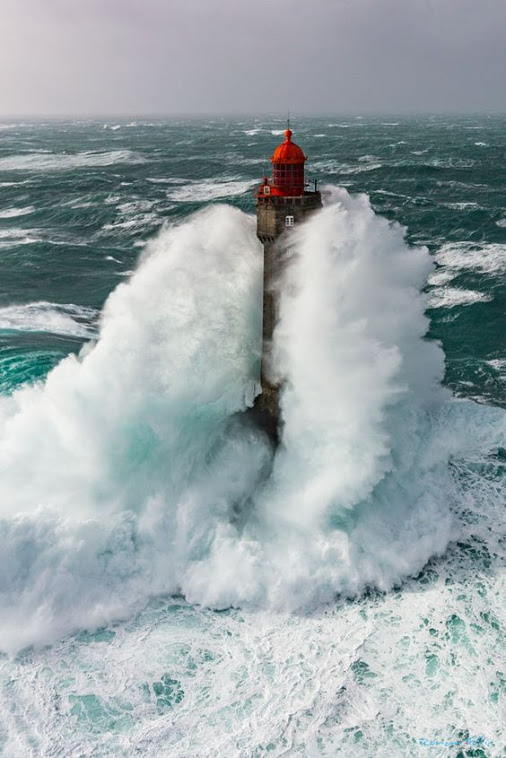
(160, 595)
(86, 196)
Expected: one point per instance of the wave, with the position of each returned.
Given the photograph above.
(210, 189)
(487, 258)
(14, 184)
(13, 237)
(440, 276)
(129, 473)
(166, 180)
(55, 318)
(463, 206)
(15, 212)
(66, 161)
(449, 297)
(335, 167)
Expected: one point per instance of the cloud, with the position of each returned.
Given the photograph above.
(134, 56)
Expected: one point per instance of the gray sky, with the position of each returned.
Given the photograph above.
(60, 57)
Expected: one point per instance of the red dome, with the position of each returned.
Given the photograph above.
(288, 152)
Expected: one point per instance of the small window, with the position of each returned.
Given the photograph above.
(289, 220)
(267, 190)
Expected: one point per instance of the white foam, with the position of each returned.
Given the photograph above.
(209, 190)
(36, 161)
(333, 166)
(449, 297)
(440, 276)
(56, 318)
(166, 180)
(499, 364)
(488, 258)
(463, 206)
(13, 237)
(15, 212)
(127, 475)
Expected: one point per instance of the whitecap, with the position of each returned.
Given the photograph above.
(449, 297)
(463, 206)
(14, 184)
(55, 318)
(65, 161)
(210, 190)
(15, 212)
(360, 169)
(499, 364)
(13, 237)
(166, 180)
(486, 258)
(440, 276)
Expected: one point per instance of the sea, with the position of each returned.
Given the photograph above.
(170, 587)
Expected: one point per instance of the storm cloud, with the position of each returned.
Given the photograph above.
(60, 57)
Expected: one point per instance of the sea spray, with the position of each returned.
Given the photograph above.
(108, 485)
(360, 488)
(130, 473)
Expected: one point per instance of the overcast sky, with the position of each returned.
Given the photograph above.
(62, 57)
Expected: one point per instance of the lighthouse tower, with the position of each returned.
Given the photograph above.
(281, 203)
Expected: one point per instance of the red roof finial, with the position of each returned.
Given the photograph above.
(288, 151)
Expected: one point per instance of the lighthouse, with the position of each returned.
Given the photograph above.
(282, 203)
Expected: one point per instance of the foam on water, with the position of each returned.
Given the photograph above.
(37, 161)
(209, 190)
(15, 212)
(128, 475)
(368, 677)
(487, 258)
(449, 297)
(56, 318)
(13, 237)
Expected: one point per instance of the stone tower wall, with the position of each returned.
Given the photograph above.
(271, 225)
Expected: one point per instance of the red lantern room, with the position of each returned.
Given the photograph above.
(288, 168)
(288, 171)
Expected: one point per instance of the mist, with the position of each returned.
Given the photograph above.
(222, 56)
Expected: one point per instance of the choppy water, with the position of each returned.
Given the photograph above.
(161, 593)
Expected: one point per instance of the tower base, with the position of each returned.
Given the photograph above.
(265, 414)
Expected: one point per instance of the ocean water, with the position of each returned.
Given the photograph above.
(167, 587)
